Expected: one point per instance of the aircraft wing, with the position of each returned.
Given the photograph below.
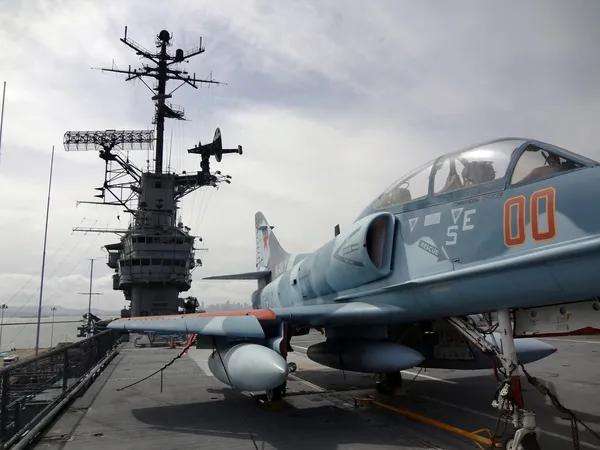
(229, 323)
(247, 323)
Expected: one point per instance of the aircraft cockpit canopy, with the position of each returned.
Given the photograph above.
(481, 165)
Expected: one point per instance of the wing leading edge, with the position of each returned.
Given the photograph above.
(260, 275)
(244, 323)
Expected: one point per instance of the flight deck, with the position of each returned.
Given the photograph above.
(194, 410)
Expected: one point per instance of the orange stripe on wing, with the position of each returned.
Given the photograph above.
(260, 314)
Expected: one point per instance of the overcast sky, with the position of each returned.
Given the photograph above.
(331, 101)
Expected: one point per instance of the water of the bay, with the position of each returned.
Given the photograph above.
(23, 336)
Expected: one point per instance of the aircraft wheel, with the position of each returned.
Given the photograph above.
(529, 442)
(276, 393)
(292, 367)
(382, 388)
(390, 383)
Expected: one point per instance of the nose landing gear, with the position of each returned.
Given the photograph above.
(509, 398)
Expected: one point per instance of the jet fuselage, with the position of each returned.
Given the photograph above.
(529, 235)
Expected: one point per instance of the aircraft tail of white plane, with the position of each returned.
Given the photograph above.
(269, 254)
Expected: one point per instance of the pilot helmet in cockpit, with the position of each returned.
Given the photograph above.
(477, 172)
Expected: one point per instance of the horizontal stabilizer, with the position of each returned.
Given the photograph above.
(230, 324)
(242, 276)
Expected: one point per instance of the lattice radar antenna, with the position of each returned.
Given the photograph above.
(122, 177)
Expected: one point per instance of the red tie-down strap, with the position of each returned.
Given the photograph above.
(189, 344)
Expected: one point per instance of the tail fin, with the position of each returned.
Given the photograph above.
(269, 252)
(269, 256)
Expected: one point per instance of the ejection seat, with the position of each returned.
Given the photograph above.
(546, 171)
(400, 196)
(396, 196)
(453, 182)
(478, 172)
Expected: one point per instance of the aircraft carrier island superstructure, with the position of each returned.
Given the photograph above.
(155, 256)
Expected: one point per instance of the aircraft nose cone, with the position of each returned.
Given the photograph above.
(530, 350)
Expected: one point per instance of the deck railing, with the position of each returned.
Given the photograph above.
(33, 387)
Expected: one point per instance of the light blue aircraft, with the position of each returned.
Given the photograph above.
(508, 225)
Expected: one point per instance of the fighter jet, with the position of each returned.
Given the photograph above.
(504, 226)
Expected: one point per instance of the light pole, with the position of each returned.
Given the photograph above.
(90, 293)
(52, 329)
(39, 315)
(2, 307)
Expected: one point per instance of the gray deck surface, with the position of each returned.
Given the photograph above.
(195, 411)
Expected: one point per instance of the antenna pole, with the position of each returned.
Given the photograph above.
(39, 318)
(162, 72)
(160, 106)
(88, 329)
(2, 116)
(2, 307)
(90, 296)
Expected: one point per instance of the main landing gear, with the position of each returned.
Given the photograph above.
(509, 396)
(389, 383)
(278, 393)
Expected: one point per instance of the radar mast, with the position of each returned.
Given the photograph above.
(155, 256)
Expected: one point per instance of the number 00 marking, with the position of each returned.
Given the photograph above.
(517, 204)
(512, 204)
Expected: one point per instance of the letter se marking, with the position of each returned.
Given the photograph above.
(466, 224)
(517, 205)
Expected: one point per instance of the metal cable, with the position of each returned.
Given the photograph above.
(187, 347)
(159, 370)
(561, 408)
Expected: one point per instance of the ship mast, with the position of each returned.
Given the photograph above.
(156, 254)
(163, 72)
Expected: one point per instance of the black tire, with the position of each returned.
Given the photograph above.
(529, 442)
(276, 394)
(389, 383)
